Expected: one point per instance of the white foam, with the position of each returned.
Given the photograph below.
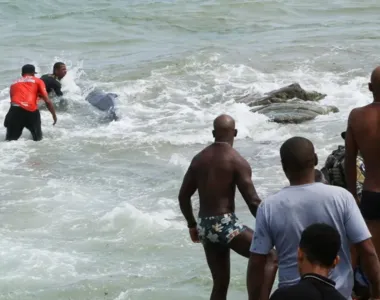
(161, 115)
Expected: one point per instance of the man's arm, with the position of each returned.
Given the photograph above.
(371, 266)
(261, 245)
(359, 235)
(351, 153)
(57, 88)
(188, 188)
(43, 94)
(245, 185)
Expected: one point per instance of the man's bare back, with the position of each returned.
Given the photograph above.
(215, 172)
(218, 169)
(363, 134)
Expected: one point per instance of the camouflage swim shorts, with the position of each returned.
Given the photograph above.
(219, 229)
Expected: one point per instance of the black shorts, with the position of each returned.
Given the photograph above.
(370, 205)
(17, 118)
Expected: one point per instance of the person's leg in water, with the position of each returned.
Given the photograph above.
(241, 244)
(14, 122)
(33, 124)
(219, 234)
(218, 260)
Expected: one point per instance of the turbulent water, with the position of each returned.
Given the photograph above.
(91, 211)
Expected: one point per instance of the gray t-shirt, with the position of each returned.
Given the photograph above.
(282, 217)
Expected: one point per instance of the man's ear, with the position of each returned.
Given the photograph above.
(213, 133)
(370, 87)
(315, 159)
(299, 254)
(283, 167)
(336, 261)
(235, 132)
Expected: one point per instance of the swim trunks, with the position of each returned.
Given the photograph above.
(219, 229)
(17, 118)
(370, 205)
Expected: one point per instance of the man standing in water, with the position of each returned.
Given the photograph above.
(363, 134)
(215, 172)
(52, 81)
(24, 112)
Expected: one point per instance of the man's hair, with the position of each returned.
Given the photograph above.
(320, 243)
(297, 154)
(57, 66)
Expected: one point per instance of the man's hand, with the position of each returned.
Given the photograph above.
(55, 119)
(194, 235)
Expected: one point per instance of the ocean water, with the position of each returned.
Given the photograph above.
(91, 211)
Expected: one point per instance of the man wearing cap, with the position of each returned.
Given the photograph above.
(23, 112)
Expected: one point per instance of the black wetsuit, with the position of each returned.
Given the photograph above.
(52, 84)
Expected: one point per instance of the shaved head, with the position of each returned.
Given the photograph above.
(297, 155)
(224, 122)
(374, 85)
(224, 128)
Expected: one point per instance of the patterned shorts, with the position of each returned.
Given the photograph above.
(219, 229)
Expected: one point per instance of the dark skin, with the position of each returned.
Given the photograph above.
(48, 103)
(215, 172)
(365, 249)
(363, 134)
(60, 72)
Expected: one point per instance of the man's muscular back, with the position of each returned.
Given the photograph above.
(215, 172)
(364, 124)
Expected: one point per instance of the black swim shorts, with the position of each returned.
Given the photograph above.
(370, 205)
(17, 118)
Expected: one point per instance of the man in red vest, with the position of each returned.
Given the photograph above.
(24, 93)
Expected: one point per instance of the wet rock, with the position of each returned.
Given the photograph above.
(290, 104)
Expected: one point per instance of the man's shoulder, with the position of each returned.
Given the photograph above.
(296, 291)
(357, 112)
(318, 188)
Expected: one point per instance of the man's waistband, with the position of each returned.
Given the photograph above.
(14, 104)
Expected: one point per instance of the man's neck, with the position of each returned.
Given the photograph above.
(223, 142)
(315, 269)
(301, 179)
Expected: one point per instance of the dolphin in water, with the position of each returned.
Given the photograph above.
(104, 102)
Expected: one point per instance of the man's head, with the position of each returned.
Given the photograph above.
(224, 129)
(298, 158)
(374, 85)
(318, 249)
(28, 70)
(59, 70)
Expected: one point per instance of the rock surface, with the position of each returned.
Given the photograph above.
(290, 104)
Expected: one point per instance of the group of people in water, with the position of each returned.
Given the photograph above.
(321, 233)
(28, 89)
(25, 93)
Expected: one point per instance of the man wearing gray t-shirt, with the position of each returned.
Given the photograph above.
(282, 217)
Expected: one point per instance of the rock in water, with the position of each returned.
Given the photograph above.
(290, 104)
(294, 112)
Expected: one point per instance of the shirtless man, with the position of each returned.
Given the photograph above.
(215, 172)
(363, 134)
